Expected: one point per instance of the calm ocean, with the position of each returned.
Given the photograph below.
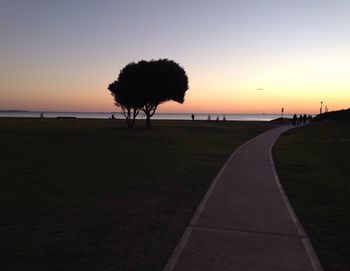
(159, 116)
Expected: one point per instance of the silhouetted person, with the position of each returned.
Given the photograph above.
(295, 119)
(192, 116)
(224, 118)
(300, 119)
(42, 115)
(217, 118)
(113, 118)
(304, 118)
(208, 118)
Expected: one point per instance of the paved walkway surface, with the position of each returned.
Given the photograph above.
(245, 221)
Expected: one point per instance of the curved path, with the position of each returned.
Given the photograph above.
(245, 221)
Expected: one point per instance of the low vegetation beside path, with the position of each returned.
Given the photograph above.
(92, 195)
(314, 167)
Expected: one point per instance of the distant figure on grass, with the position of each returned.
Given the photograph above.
(41, 115)
(113, 118)
(295, 120)
(300, 119)
(217, 118)
(304, 119)
(224, 118)
(192, 117)
(208, 118)
(144, 85)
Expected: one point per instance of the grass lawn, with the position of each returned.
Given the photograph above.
(314, 167)
(93, 195)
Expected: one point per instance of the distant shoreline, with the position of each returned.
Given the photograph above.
(119, 112)
(14, 111)
(141, 116)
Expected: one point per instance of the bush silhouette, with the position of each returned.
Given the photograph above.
(145, 85)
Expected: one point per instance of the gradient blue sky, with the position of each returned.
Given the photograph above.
(61, 55)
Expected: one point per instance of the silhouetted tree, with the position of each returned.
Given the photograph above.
(125, 92)
(164, 80)
(146, 84)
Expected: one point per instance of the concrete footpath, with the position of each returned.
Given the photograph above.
(245, 221)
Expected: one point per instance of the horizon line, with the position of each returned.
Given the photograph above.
(104, 112)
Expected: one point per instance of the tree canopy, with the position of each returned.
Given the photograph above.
(145, 85)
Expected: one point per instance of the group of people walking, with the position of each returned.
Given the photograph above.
(209, 118)
(302, 119)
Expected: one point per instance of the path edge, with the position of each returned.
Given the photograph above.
(187, 233)
(314, 260)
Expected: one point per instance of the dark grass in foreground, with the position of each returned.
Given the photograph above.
(92, 195)
(314, 167)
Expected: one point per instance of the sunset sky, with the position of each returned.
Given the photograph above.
(62, 55)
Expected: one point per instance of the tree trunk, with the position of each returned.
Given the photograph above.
(149, 109)
(130, 123)
(148, 122)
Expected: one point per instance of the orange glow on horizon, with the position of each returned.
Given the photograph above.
(228, 91)
(224, 101)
